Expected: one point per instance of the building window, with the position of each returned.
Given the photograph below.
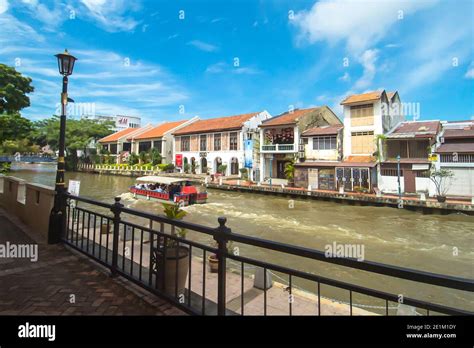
(113, 149)
(203, 142)
(325, 143)
(127, 147)
(457, 158)
(390, 172)
(217, 142)
(422, 173)
(185, 143)
(362, 115)
(144, 146)
(157, 145)
(363, 142)
(233, 141)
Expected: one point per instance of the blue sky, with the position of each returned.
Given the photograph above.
(237, 56)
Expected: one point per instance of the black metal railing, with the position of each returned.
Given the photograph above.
(156, 258)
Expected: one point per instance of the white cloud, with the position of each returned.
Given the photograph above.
(216, 68)
(470, 72)
(345, 77)
(367, 60)
(14, 30)
(3, 6)
(223, 67)
(112, 15)
(203, 46)
(360, 24)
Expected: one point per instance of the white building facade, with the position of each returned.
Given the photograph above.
(209, 146)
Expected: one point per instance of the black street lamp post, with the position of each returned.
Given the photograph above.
(57, 218)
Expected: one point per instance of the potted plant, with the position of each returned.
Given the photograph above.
(244, 173)
(221, 169)
(439, 178)
(214, 261)
(186, 168)
(290, 173)
(175, 261)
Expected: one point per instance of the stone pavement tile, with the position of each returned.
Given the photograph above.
(45, 287)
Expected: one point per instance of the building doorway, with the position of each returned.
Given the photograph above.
(234, 166)
(409, 179)
(281, 168)
(203, 165)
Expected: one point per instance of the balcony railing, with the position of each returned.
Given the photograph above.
(278, 148)
(140, 247)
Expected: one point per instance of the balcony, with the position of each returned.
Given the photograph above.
(278, 148)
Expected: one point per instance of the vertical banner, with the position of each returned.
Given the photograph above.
(248, 153)
(179, 160)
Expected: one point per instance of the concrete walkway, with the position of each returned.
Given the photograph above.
(61, 282)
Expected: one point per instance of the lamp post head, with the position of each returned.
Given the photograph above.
(65, 63)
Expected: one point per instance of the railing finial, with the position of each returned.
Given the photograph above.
(117, 199)
(222, 221)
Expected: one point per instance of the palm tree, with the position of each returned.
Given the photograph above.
(381, 144)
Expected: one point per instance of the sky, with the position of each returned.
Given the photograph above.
(172, 60)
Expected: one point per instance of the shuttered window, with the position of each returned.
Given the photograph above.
(185, 143)
(362, 115)
(363, 143)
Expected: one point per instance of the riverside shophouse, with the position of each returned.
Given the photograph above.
(224, 144)
(455, 152)
(159, 138)
(406, 152)
(281, 142)
(119, 144)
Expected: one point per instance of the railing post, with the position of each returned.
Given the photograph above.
(116, 210)
(221, 237)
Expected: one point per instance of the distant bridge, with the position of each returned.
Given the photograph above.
(26, 158)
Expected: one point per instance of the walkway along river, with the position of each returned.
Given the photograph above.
(435, 243)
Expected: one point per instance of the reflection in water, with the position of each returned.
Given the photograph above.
(392, 236)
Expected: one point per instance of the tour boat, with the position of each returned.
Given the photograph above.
(167, 189)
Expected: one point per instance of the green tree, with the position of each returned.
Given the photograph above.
(13, 90)
(79, 135)
(14, 127)
(143, 156)
(155, 156)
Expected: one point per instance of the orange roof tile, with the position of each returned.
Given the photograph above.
(116, 136)
(216, 124)
(286, 118)
(159, 131)
(357, 98)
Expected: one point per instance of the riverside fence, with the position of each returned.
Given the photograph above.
(157, 259)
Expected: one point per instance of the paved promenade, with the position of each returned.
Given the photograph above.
(62, 282)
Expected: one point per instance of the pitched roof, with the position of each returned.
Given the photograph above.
(287, 118)
(117, 135)
(159, 131)
(321, 130)
(456, 147)
(467, 132)
(415, 129)
(216, 124)
(366, 97)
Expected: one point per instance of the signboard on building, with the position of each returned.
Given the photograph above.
(248, 153)
(179, 160)
(433, 157)
(121, 121)
(74, 187)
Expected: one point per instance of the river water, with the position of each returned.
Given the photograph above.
(435, 243)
